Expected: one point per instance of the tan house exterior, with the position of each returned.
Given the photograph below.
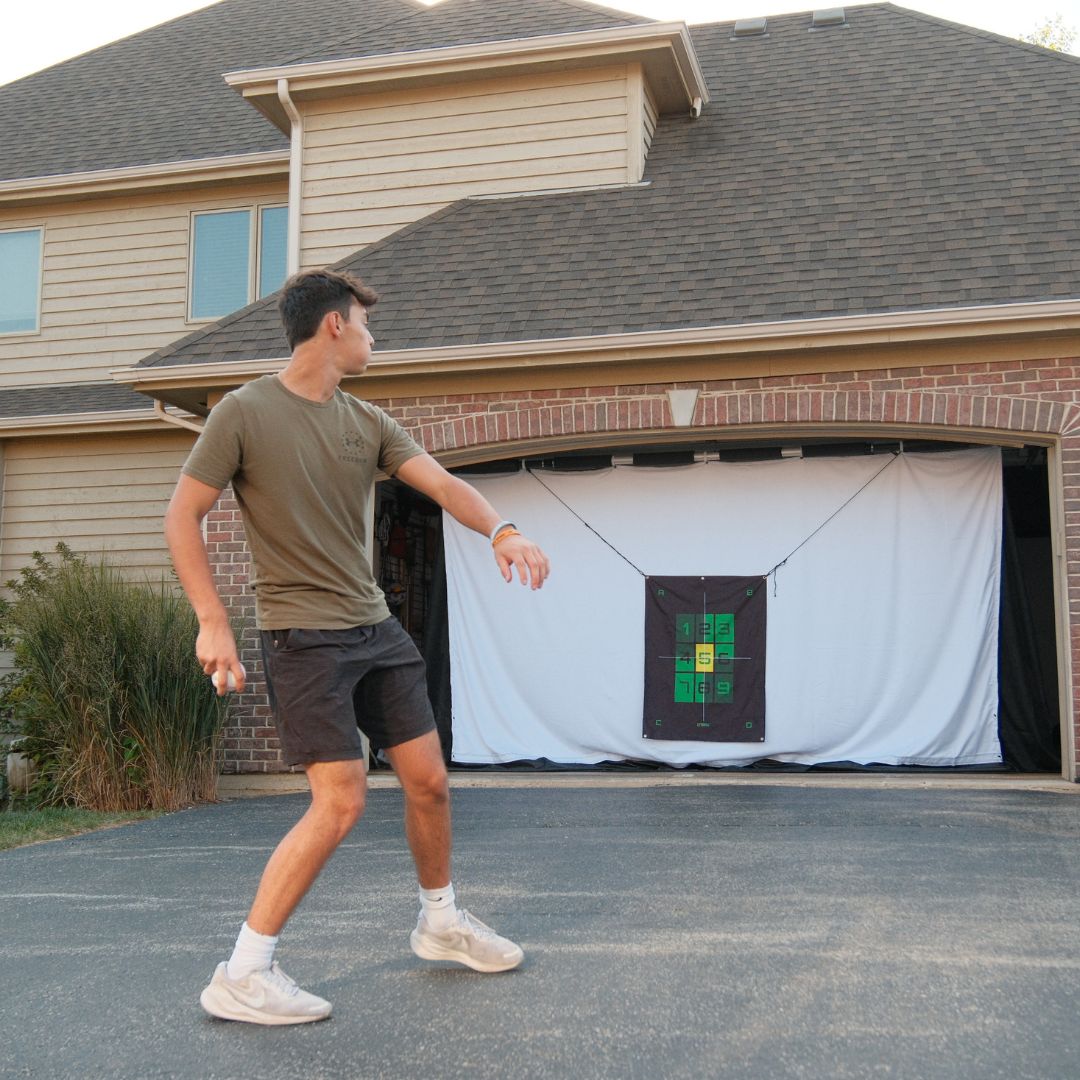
(461, 142)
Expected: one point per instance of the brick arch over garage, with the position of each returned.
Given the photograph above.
(505, 420)
(487, 427)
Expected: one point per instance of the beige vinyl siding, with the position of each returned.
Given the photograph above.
(115, 280)
(99, 494)
(650, 118)
(372, 164)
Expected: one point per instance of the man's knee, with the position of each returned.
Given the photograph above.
(343, 809)
(338, 795)
(431, 786)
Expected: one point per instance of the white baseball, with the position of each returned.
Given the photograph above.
(230, 679)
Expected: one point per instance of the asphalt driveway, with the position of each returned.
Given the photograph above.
(675, 931)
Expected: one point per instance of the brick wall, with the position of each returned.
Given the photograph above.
(1031, 396)
(249, 741)
(462, 420)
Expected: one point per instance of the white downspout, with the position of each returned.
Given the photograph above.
(296, 162)
(178, 421)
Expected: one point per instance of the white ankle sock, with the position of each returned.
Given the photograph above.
(440, 910)
(253, 952)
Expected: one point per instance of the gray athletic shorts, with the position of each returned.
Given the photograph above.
(326, 685)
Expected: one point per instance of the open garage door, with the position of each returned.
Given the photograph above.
(1026, 704)
(882, 625)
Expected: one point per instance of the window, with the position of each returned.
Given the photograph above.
(20, 281)
(273, 229)
(237, 256)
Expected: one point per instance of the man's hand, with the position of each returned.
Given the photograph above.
(216, 649)
(531, 563)
(464, 503)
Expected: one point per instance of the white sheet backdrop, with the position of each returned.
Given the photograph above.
(882, 633)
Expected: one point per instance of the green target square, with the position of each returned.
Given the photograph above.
(684, 657)
(724, 652)
(704, 628)
(723, 691)
(685, 624)
(684, 687)
(703, 688)
(724, 628)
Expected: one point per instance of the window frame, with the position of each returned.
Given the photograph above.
(257, 261)
(40, 230)
(255, 252)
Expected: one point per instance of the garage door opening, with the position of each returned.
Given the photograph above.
(411, 569)
(1029, 714)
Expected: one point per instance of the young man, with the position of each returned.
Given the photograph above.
(301, 456)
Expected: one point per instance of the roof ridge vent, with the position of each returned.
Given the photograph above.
(749, 28)
(824, 18)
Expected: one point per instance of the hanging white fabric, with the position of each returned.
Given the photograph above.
(882, 633)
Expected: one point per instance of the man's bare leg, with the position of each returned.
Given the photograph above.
(337, 801)
(461, 938)
(249, 987)
(422, 774)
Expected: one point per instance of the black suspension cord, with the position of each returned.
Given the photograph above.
(771, 573)
(587, 525)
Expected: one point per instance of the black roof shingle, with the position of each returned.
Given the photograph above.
(30, 401)
(466, 22)
(899, 163)
(159, 95)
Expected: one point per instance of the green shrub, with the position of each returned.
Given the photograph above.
(106, 692)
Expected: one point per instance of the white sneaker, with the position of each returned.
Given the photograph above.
(469, 942)
(263, 997)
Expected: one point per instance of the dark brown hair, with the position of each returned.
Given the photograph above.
(307, 297)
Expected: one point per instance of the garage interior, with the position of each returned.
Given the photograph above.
(411, 569)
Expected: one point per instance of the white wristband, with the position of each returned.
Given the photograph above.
(498, 528)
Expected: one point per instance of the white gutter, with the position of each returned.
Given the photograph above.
(296, 164)
(679, 81)
(506, 49)
(111, 418)
(787, 334)
(897, 326)
(255, 165)
(227, 370)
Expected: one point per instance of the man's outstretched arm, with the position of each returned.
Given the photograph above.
(464, 503)
(215, 646)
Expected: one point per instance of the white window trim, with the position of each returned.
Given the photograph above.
(259, 242)
(255, 245)
(36, 332)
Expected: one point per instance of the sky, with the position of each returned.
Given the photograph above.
(39, 35)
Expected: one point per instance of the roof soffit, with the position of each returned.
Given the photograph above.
(665, 51)
(1005, 323)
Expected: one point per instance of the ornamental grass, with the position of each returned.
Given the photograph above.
(106, 695)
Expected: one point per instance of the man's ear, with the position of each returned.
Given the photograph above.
(332, 323)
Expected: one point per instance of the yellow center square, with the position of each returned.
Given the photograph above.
(703, 657)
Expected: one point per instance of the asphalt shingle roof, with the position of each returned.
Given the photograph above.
(159, 96)
(898, 163)
(463, 22)
(27, 401)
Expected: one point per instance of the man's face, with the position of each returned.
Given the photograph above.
(357, 339)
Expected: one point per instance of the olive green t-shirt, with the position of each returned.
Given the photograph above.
(304, 474)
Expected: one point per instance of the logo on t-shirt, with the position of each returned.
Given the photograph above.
(353, 442)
